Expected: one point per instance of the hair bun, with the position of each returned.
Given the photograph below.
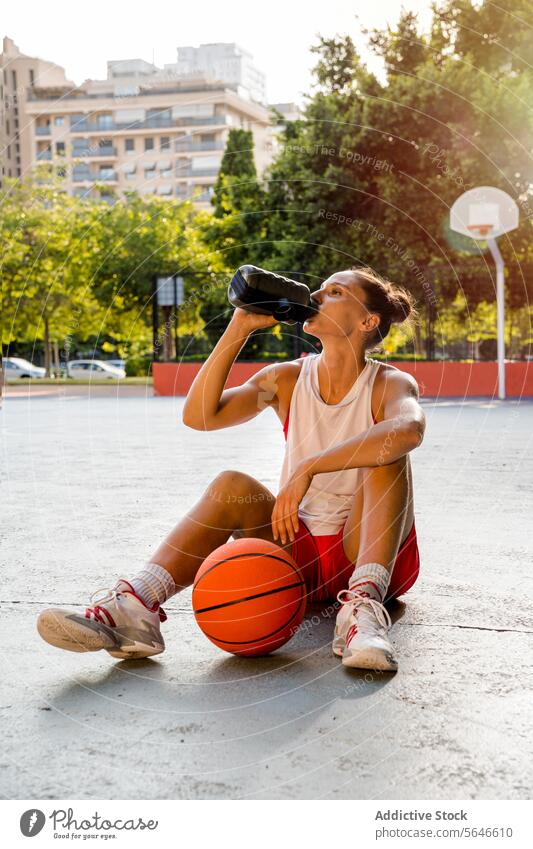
(402, 304)
(392, 303)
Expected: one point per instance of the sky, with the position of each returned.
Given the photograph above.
(278, 33)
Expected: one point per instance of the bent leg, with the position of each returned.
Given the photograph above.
(235, 504)
(126, 619)
(381, 516)
(379, 522)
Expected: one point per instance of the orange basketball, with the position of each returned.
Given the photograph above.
(249, 597)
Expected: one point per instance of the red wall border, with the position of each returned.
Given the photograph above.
(439, 379)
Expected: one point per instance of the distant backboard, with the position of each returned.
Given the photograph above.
(169, 291)
(484, 213)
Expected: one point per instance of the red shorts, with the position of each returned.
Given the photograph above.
(327, 570)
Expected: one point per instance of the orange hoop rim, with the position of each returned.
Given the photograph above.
(482, 229)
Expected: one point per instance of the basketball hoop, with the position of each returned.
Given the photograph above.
(480, 231)
(486, 213)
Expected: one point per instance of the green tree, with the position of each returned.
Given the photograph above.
(48, 253)
(238, 203)
(388, 158)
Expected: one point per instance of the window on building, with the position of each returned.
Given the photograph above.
(81, 147)
(17, 148)
(59, 120)
(9, 152)
(18, 172)
(158, 118)
(148, 144)
(14, 78)
(81, 173)
(8, 131)
(77, 122)
(149, 173)
(129, 145)
(165, 142)
(60, 148)
(32, 77)
(107, 172)
(104, 122)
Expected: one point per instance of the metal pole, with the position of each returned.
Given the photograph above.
(500, 312)
(155, 322)
(175, 279)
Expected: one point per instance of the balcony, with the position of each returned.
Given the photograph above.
(82, 126)
(193, 146)
(87, 152)
(44, 155)
(88, 176)
(43, 131)
(198, 172)
(199, 122)
(158, 123)
(82, 177)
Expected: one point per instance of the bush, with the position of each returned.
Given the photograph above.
(139, 366)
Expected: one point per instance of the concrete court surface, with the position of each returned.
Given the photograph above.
(92, 482)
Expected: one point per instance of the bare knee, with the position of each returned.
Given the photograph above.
(243, 502)
(232, 487)
(229, 482)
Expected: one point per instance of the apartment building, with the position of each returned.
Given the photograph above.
(19, 75)
(227, 62)
(143, 128)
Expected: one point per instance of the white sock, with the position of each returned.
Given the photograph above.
(154, 584)
(371, 579)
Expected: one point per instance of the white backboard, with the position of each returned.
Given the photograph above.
(487, 207)
(169, 295)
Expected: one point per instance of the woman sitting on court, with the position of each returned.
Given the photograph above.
(344, 509)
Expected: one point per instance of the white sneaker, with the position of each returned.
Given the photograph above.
(119, 622)
(361, 633)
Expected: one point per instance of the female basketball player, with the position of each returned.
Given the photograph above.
(344, 508)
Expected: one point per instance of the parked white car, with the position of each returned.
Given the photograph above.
(94, 370)
(14, 367)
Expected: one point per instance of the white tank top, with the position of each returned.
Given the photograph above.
(315, 426)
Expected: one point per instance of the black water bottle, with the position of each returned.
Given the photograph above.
(260, 291)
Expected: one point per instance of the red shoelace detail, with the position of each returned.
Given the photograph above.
(98, 613)
(351, 633)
